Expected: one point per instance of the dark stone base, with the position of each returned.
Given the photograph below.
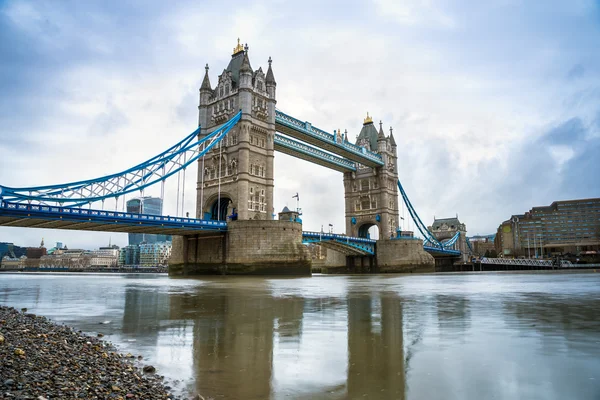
(400, 269)
(289, 269)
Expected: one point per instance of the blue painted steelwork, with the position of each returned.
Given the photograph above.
(448, 243)
(469, 245)
(292, 125)
(53, 213)
(443, 252)
(303, 150)
(148, 173)
(429, 237)
(353, 244)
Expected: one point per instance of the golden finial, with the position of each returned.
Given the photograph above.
(368, 120)
(238, 48)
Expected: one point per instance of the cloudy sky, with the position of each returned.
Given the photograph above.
(495, 105)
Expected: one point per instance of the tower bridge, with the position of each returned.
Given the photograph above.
(233, 232)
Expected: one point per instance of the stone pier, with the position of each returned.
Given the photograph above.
(392, 256)
(248, 248)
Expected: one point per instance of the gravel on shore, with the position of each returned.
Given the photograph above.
(42, 360)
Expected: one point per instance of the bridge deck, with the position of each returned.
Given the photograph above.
(37, 216)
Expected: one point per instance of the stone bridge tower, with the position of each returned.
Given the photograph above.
(372, 193)
(237, 175)
(445, 228)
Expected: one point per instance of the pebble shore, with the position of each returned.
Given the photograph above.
(41, 360)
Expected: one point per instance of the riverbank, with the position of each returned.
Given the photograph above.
(164, 270)
(43, 360)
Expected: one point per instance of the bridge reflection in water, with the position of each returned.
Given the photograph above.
(468, 336)
(254, 346)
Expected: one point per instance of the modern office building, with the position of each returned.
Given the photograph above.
(129, 255)
(155, 254)
(570, 226)
(146, 205)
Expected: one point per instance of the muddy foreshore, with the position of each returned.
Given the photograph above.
(43, 360)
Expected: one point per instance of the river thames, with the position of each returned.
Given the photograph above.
(444, 336)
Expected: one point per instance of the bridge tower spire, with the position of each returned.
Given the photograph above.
(238, 174)
(371, 193)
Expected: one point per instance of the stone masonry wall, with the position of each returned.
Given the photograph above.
(251, 247)
(403, 255)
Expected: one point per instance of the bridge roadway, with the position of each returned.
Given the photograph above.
(51, 217)
(70, 218)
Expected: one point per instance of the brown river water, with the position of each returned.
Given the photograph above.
(444, 336)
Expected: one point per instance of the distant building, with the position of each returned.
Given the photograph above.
(570, 226)
(9, 249)
(146, 205)
(104, 257)
(7, 262)
(129, 255)
(155, 254)
(36, 253)
(482, 245)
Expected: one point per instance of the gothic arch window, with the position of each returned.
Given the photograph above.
(227, 89)
(259, 85)
(221, 91)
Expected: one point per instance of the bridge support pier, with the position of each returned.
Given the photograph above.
(403, 255)
(253, 247)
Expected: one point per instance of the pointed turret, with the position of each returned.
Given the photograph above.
(368, 134)
(206, 81)
(392, 141)
(245, 68)
(270, 80)
(380, 135)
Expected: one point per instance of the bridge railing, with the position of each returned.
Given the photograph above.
(525, 262)
(110, 215)
(334, 236)
(306, 127)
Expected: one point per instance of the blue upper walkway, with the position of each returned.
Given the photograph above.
(305, 132)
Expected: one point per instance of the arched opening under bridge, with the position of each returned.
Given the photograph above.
(369, 230)
(218, 210)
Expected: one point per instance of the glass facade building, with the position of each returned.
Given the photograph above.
(146, 205)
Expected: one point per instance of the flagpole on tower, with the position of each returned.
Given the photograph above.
(297, 197)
